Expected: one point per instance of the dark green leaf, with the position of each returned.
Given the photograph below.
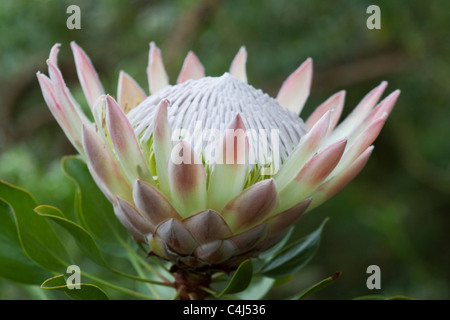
(268, 254)
(93, 210)
(241, 278)
(37, 237)
(14, 263)
(85, 292)
(293, 256)
(319, 286)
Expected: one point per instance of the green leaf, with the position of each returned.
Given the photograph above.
(241, 278)
(399, 298)
(93, 210)
(85, 292)
(37, 237)
(370, 297)
(294, 256)
(84, 240)
(82, 237)
(14, 263)
(268, 254)
(258, 288)
(319, 286)
(379, 297)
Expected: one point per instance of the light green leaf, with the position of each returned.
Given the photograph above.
(14, 263)
(399, 298)
(241, 278)
(37, 237)
(294, 256)
(370, 297)
(379, 297)
(258, 288)
(85, 292)
(319, 286)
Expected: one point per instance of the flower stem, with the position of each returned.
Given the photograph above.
(190, 284)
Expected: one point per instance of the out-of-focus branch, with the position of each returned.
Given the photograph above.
(380, 65)
(12, 90)
(187, 27)
(414, 162)
(333, 78)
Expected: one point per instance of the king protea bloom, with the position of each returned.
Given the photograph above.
(211, 171)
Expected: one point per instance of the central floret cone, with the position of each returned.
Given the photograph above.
(201, 110)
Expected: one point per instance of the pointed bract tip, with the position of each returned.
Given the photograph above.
(377, 91)
(76, 48)
(39, 74)
(165, 102)
(137, 184)
(394, 95)
(322, 124)
(241, 54)
(162, 107)
(341, 142)
(237, 122)
(307, 64)
(380, 88)
(237, 67)
(341, 94)
(295, 89)
(154, 50)
(161, 126)
(110, 99)
(54, 53)
(271, 182)
(101, 98)
(192, 68)
(268, 184)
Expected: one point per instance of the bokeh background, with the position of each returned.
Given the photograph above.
(396, 214)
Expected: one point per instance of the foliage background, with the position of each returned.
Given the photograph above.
(395, 215)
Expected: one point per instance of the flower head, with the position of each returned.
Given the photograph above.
(210, 171)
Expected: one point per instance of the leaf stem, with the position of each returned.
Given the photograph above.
(139, 271)
(145, 264)
(117, 288)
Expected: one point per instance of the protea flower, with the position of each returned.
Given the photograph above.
(211, 171)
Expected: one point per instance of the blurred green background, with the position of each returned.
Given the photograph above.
(396, 214)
